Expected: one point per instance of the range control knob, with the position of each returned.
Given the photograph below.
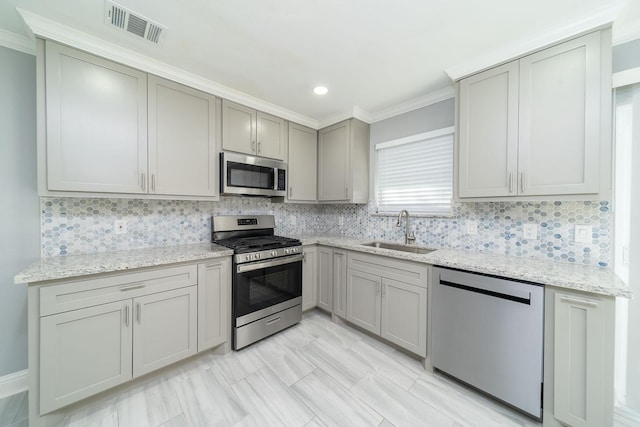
(249, 257)
(287, 251)
(274, 253)
(258, 255)
(295, 250)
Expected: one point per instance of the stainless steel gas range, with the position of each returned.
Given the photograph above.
(267, 276)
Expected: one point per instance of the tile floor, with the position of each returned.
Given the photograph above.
(316, 373)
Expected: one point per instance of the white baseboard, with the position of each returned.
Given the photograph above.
(624, 416)
(14, 383)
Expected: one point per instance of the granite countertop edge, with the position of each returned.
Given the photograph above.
(584, 278)
(65, 267)
(591, 279)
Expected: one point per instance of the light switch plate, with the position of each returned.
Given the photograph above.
(530, 231)
(120, 226)
(472, 227)
(583, 234)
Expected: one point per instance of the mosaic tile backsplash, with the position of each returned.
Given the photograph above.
(76, 226)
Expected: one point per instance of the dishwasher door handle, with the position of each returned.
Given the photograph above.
(494, 294)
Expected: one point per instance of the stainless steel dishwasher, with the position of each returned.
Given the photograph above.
(488, 332)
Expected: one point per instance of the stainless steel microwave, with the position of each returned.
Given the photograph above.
(254, 176)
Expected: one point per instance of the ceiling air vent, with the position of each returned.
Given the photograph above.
(134, 23)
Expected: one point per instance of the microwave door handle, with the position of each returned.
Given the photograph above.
(275, 179)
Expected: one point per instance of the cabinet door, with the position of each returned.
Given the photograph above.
(303, 161)
(340, 283)
(83, 352)
(583, 349)
(272, 136)
(96, 114)
(309, 278)
(165, 329)
(488, 133)
(404, 315)
(238, 128)
(333, 162)
(182, 150)
(325, 279)
(560, 119)
(363, 300)
(214, 285)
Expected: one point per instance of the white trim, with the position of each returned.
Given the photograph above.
(48, 29)
(600, 19)
(629, 32)
(413, 138)
(14, 383)
(625, 78)
(625, 417)
(17, 42)
(413, 104)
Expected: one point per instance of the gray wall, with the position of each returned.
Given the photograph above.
(626, 56)
(436, 116)
(19, 209)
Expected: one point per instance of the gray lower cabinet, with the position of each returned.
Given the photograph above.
(579, 358)
(83, 352)
(325, 278)
(164, 329)
(100, 332)
(309, 277)
(214, 303)
(388, 297)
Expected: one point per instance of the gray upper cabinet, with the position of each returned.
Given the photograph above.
(488, 132)
(182, 148)
(303, 161)
(245, 130)
(343, 162)
(96, 131)
(532, 127)
(112, 129)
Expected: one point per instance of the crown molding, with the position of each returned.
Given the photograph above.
(413, 104)
(600, 19)
(52, 30)
(628, 33)
(17, 42)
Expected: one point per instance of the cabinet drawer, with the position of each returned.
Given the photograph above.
(86, 293)
(404, 271)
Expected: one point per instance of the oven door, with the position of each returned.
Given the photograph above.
(266, 287)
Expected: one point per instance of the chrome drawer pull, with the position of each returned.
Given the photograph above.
(272, 321)
(132, 287)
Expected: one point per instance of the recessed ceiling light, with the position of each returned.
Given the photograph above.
(320, 90)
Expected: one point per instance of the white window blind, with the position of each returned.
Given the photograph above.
(416, 173)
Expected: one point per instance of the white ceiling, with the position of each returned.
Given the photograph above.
(373, 55)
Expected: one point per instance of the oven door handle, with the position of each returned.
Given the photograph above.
(243, 268)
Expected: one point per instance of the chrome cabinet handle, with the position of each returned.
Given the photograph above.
(522, 181)
(384, 287)
(143, 182)
(153, 182)
(253, 146)
(132, 287)
(126, 316)
(139, 313)
(290, 191)
(259, 147)
(346, 192)
(510, 182)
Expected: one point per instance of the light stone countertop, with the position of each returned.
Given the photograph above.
(579, 277)
(51, 268)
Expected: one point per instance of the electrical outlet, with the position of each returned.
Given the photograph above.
(472, 227)
(583, 234)
(293, 220)
(530, 231)
(341, 221)
(120, 226)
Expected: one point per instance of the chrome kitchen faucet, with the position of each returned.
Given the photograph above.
(409, 237)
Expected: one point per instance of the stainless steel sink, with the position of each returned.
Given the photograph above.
(398, 247)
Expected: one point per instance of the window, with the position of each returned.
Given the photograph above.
(416, 173)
